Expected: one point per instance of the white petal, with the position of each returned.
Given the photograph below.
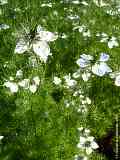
(1, 137)
(82, 63)
(80, 128)
(79, 145)
(104, 57)
(117, 81)
(36, 79)
(47, 36)
(86, 57)
(57, 80)
(82, 140)
(94, 145)
(86, 76)
(24, 83)
(42, 49)
(90, 138)
(87, 131)
(88, 100)
(33, 88)
(21, 47)
(114, 74)
(19, 74)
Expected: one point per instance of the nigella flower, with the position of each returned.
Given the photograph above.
(84, 60)
(100, 69)
(113, 42)
(12, 86)
(39, 43)
(57, 80)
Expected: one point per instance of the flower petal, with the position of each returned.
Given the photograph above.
(42, 49)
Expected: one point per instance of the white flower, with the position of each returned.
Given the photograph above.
(2, 2)
(101, 69)
(86, 76)
(64, 36)
(57, 81)
(11, 78)
(104, 57)
(84, 60)
(94, 145)
(4, 26)
(36, 79)
(86, 33)
(42, 49)
(82, 63)
(21, 47)
(87, 131)
(33, 88)
(113, 42)
(82, 140)
(80, 128)
(90, 138)
(85, 158)
(1, 137)
(19, 74)
(24, 83)
(47, 36)
(12, 86)
(70, 82)
(88, 100)
(117, 80)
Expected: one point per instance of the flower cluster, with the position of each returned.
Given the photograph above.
(99, 68)
(26, 84)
